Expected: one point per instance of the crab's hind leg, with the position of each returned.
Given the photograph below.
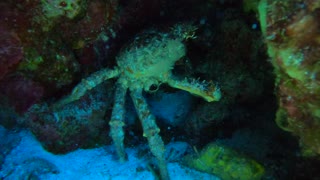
(87, 84)
(117, 120)
(150, 131)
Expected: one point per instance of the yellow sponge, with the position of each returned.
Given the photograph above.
(225, 163)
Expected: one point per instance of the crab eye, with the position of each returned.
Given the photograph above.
(153, 88)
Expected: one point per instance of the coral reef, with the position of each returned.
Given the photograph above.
(48, 46)
(83, 32)
(42, 40)
(291, 30)
(54, 67)
(55, 10)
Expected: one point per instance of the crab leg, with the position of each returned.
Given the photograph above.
(150, 131)
(117, 121)
(87, 84)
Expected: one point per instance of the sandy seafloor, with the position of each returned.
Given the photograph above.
(28, 160)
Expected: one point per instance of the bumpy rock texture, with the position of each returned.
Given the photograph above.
(291, 30)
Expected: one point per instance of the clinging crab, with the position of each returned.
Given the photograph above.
(147, 61)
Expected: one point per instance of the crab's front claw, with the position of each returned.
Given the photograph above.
(207, 90)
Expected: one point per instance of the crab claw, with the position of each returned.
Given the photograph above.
(207, 90)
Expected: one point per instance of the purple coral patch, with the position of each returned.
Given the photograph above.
(10, 51)
(22, 93)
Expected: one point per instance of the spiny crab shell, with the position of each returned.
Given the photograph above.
(151, 62)
(147, 61)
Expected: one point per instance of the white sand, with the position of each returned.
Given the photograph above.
(98, 163)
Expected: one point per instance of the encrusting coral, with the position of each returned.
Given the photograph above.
(292, 33)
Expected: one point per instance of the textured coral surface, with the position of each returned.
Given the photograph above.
(292, 32)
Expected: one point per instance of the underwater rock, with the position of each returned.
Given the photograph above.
(11, 51)
(21, 92)
(79, 125)
(205, 115)
(171, 108)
